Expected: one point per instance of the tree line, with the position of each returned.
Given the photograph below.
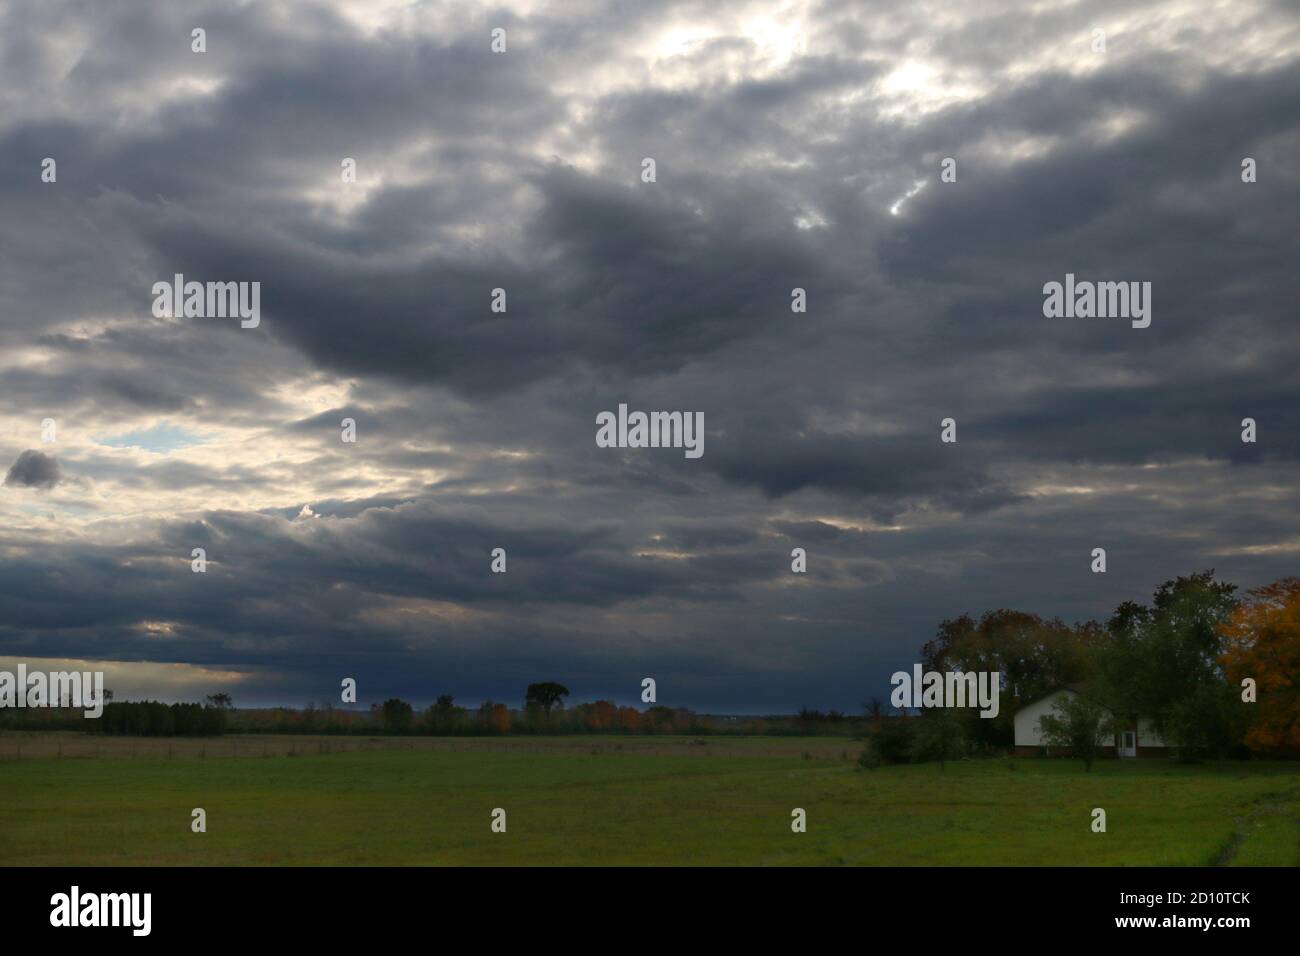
(1178, 662)
(1214, 672)
(445, 718)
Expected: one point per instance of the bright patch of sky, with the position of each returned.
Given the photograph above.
(161, 438)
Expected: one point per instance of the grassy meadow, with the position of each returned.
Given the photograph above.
(73, 800)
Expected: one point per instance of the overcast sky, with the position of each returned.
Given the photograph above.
(796, 145)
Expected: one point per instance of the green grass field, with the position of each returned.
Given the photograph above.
(630, 801)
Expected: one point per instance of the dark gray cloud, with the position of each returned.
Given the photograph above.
(794, 148)
(34, 469)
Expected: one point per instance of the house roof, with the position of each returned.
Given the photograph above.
(1078, 687)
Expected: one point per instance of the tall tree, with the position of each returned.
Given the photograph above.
(1163, 662)
(875, 711)
(545, 695)
(1034, 656)
(1262, 642)
(397, 715)
(441, 715)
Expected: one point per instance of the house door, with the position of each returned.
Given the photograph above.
(1128, 744)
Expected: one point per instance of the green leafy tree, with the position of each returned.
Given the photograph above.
(1211, 719)
(441, 715)
(1163, 662)
(396, 715)
(1034, 656)
(892, 740)
(1079, 723)
(939, 734)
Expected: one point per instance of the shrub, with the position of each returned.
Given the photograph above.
(893, 741)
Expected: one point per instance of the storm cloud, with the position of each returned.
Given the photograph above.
(796, 146)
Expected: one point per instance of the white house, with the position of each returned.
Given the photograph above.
(1137, 739)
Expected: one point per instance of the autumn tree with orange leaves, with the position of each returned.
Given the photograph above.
(1262, 641)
